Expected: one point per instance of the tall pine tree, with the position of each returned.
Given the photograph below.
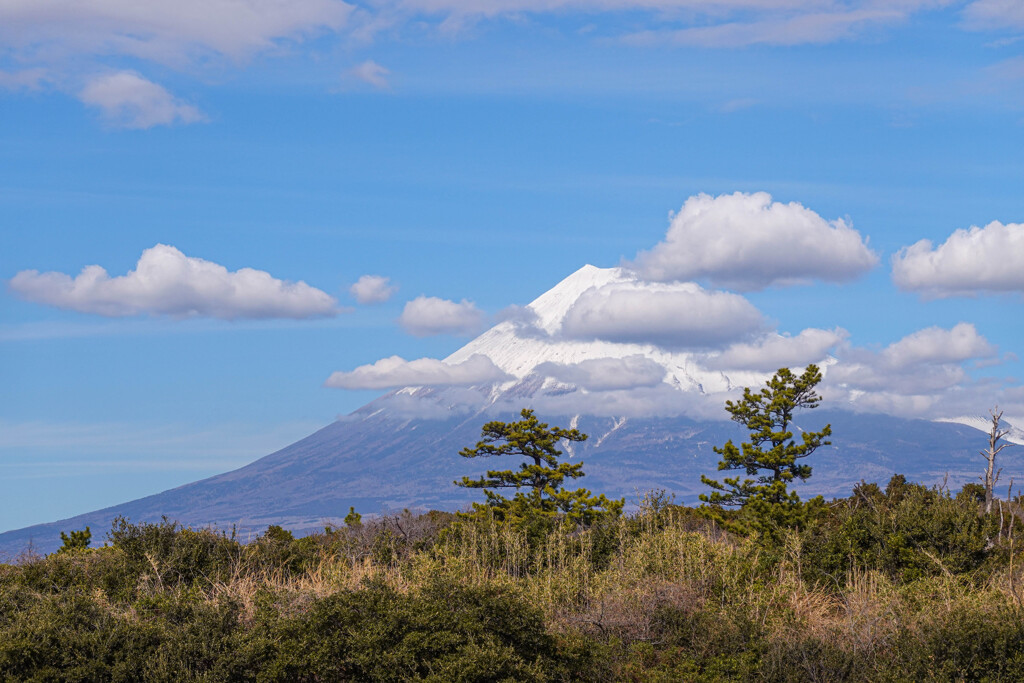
(771, 454)
(541, 474)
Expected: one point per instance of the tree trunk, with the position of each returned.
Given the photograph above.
(990, 453)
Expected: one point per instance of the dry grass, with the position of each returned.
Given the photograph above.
(665, 566)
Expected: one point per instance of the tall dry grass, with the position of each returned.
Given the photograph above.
(659, 563)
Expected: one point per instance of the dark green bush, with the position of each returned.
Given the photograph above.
(442, 633)
(908, 531)
(71, 637)
(278, 550)
(966, 644)
(169, 555)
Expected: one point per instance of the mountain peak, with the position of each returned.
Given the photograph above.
(552, 306)
(518, 347)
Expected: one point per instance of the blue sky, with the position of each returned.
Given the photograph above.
(465, 157)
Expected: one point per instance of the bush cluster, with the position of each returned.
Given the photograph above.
(901, 583)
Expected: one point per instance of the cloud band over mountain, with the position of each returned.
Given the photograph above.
(681, 315)
(396, 372)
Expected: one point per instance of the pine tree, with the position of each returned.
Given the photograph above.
(771, 453)
(542, 475)
(353, 519)
(78, 540)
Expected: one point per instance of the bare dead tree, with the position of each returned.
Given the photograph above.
(995, 435)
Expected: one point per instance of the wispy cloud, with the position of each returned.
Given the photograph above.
(396, 372)
(128, 100)
(738, 104)
(998, 15)
(67, 45)
(186, 30)
(807, 28)
(24, 79)
(76, 41)
(1007, 70)
(371, 73)
(702, 23)
(32, 445)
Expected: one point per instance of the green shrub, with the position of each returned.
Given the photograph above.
(970, 643)
(908, 531)
(169, 555)
(443, 632)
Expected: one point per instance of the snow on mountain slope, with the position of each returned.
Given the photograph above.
(519, 348)
(984, 424)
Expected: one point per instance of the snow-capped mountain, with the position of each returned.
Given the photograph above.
(519, 347)
(653, 415)
(542, 359)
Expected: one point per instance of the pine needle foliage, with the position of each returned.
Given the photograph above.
(78, 540)
(772, 454)
(541, 474)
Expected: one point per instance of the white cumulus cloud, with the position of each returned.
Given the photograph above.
(605, 374)
(167, 282)
(395, 372)
(128, 100)
(372, 289)
(427, 316)
(937, 345)
(978, 260)
(927, 364)
(748, 242)
(675, 315)
(777, 351)
(927, 374)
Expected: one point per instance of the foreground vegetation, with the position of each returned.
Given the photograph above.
(554, 584)
(898, 583)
